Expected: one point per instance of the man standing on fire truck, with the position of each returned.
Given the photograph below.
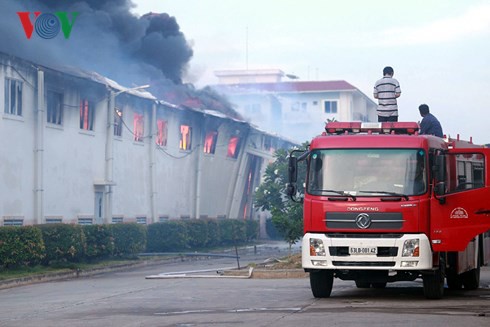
(387, 90)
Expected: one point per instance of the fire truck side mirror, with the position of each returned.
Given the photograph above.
(291, 190)
(293, 170)
(440, 188)
(440, 176)
(440, 168)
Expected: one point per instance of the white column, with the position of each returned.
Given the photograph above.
(109, 158)
(38, 155)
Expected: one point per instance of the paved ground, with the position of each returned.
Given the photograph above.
(129, 299)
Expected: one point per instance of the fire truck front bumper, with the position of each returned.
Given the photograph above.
(359, 252)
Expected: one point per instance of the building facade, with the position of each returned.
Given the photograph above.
(79, 148)
(295, 109)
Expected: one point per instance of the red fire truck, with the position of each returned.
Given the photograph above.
(384, 204)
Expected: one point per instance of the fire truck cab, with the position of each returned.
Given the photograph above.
(382, 204)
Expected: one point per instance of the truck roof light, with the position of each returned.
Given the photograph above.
(342, 127)
(370, 128)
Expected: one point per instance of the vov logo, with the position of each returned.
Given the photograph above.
(47, 25)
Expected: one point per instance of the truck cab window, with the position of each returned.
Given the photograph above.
(468, 173)
(368, 171)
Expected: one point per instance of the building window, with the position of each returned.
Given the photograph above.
(267, 143)
(118, 116)
(185, 137)
(117, 220)
(85, 221)
(13, 97)
(141, 220)
(162, 132)
(54, 220)
(163, 219)
(54, 107)
(233, 147)
(138, 127)
(87, 113)
(13, 221)
(210, 142)
(330, 107)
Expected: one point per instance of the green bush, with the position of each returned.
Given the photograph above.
(129, 239)
(63, 242)
(271, 230)
(167, 236)
(20, 246)
(214, 235)
(232, 231)
(252, 228)
(99, 241)
(197, 231)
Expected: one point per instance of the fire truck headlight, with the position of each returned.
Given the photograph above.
(411, 248)
(316, 247)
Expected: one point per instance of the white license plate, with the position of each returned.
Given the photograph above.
(365, 250)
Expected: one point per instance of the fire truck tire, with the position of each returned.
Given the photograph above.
(321, 282)
(471, 279)
(360, 284)
(434, 285)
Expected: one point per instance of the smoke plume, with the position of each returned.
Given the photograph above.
(106, 37)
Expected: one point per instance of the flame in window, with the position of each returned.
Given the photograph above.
(210, 142)
(138, 127)
(233, 147)
(185, 137)
(162, 132)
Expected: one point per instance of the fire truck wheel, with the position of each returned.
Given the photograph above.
(321, 282)
(471, 279)
(434, 285)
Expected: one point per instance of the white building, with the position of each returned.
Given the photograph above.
(79, 148)
(296, 109)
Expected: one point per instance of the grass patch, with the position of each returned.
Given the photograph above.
(16, 273)
(29, 272)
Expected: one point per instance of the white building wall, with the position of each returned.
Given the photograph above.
(187, 183)
(73, 160)
(17, 146)
(131, 168)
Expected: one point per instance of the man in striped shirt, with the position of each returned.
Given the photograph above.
(386, 90)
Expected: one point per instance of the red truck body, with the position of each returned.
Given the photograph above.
(384, 204)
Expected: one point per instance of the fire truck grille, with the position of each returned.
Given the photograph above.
(362, 235)
(363, 264)
(364, 221)
(383, 251)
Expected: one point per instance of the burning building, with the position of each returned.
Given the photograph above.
(78, 147)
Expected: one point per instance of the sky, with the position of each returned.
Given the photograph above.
(440, 50)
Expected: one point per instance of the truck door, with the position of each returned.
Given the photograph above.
(463, 211)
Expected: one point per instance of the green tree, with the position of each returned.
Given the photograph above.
(287, 216)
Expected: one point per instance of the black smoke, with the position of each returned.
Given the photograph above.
(106, 38)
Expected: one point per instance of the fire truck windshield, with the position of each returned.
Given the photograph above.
(367, 172)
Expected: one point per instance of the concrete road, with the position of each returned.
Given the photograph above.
(129, 299)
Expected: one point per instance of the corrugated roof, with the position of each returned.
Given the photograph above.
(298, 86)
